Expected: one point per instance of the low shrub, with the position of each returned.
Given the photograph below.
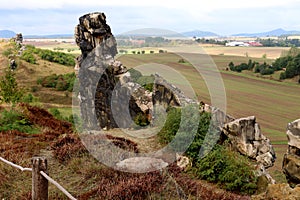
(63, 82)
(13, 120)
(229, 169)
(28, 56)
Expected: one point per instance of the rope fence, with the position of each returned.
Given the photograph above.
(40, 178)
(14, 165)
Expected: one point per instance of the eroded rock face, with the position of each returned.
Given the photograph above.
(245, 137)
(291, 160)
(100, 74)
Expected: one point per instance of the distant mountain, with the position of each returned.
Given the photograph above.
(149, 32)
(198, 33)
(7, 34)
(48, 36)
(276, 32)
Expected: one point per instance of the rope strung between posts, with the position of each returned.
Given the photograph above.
(57, 185)
(14, 165)
(43, 174)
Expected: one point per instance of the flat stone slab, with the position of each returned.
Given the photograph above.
(141, 164)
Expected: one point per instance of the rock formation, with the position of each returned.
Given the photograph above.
(109, 98)
(245, 137)
(105, 85)
(291, 160)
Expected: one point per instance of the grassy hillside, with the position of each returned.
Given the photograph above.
(27, 75)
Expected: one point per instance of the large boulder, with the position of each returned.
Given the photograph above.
(245, 137)
(291, 160)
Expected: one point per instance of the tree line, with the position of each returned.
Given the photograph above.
(288, 63)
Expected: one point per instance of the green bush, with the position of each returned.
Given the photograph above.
(28, 98)
(141, 120)
(45, 54)
(171, 126)
(56, 113)
(229, 169)
(8, 52)
(9, 90)
(73, 118)
(63, 82)
(13, 120)
(146, 81)
(28, 56)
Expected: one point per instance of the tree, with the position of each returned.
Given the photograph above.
(9, 90)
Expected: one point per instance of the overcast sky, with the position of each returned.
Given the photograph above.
(224, 17)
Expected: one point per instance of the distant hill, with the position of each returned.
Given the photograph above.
(276, 32)
(199, 33)
(7, 34)
(48, 36)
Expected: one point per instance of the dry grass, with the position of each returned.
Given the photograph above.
(255, 52)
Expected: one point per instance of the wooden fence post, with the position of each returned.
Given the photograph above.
(39, 183)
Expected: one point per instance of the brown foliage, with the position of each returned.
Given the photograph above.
(168, 184)
(123, 143)
(68, 146)
(43, 118)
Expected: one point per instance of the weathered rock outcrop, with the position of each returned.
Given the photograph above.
(291, 160)
(245, 137)
(105, 86)
(109, 98)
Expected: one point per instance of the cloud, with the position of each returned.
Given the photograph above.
(191, 5)
(230, 16)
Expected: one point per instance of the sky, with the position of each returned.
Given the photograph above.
(224, 17)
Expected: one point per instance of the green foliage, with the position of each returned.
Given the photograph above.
(55, 112)
(9, 90)
(13, 120)
(171, 126)
(281, 62)
(229, 169)
(292, 67)
(7, 52)
(231, 66)
(135, 74)
(141, 120)
(63, 82)
(263, 69)
(181, 60)
(28, 56)
(58, 57)
(146, 81)
(52, 56)
(29, 98)
(73, 118)
(243, 66)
